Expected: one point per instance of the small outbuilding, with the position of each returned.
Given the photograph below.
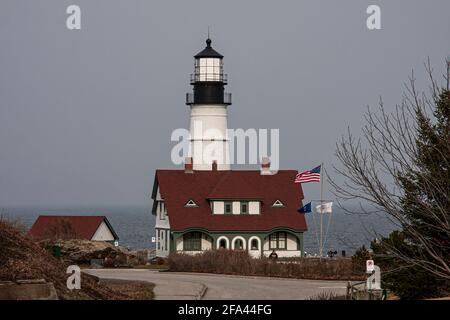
(94, 228)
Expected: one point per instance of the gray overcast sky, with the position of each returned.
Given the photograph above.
(86, 116)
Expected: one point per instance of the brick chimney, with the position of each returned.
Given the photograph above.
(214, 165)
(188, 165)
(265, 166)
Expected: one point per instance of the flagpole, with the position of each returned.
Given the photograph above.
(321, 211)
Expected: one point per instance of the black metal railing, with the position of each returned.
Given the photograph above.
(189, 98)
(227, 98)
(209, 77)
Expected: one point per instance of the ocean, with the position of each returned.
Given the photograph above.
(135, 225)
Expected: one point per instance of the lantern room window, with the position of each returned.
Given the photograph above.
(208, 69)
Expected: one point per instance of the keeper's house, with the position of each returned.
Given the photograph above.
(207, 205)
(245, 210)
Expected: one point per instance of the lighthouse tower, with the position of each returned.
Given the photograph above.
(209, 145)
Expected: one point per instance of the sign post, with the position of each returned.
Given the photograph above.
(374, 278)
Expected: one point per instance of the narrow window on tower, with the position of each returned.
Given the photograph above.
(167, 239)
(162, 238)
(157, 239)
(162, 209)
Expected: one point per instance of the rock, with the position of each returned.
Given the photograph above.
(31, 281)
(28, 290)
(79, 251)
(83, 251)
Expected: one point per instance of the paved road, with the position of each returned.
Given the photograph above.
(176, 285)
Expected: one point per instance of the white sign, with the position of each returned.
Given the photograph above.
(153, 239)
(370, 266)
(374, 280)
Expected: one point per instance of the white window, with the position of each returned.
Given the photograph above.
(208, 69)
(278, 240)
(157, 239)
(162, 240)
(254, 207)
(235, 207)
(218, 207)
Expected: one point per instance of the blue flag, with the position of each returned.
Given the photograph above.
(305, 209)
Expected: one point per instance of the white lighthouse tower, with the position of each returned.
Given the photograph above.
(209, 145)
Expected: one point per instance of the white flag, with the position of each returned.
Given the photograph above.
(324, 207)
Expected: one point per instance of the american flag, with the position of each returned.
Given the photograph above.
(308, 176)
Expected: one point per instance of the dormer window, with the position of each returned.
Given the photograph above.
(191, 204)
(278, 204)
(235, 207)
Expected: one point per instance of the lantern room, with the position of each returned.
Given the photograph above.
(208, 65)
(208, 78)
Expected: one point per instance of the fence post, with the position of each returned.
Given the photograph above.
(348, 296)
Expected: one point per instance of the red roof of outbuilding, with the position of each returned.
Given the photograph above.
(83, 227)
(178, 187)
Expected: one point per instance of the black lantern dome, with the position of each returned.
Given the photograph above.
(208, 78)
(208, 52)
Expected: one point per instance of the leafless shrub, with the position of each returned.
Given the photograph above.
(377, 168)
(23, 258)
(240, 263)
(327, 295)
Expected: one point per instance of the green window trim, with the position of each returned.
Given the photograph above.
(238, 244)
(278, 241)
(192, 241)
(223, 244)
(228, 204)
(254, 245)
(244, 207)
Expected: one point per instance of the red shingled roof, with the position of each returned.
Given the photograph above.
(83, 227)
(177, 188)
